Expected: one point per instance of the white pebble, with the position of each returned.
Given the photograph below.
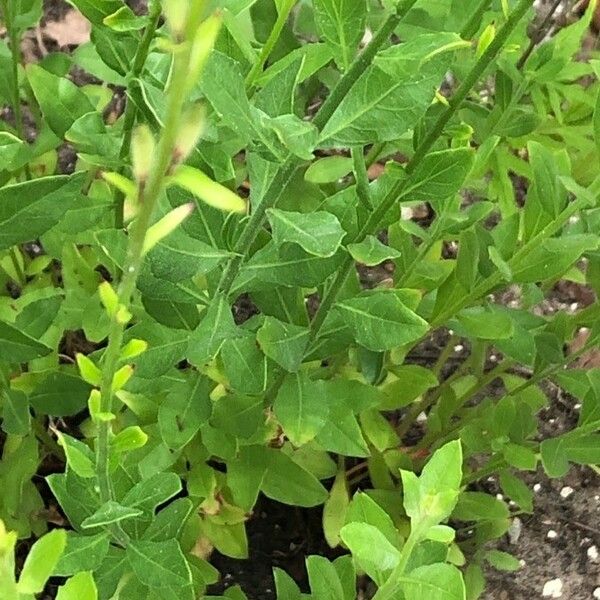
(459, 348)
(592, 553)
(577, 406)
(596, 593)
(537, 487)
(566, 491)
(422, 418)
(553, 589)
(500, 497)
(552, 535)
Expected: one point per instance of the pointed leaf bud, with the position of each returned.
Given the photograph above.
(191, 129)
(167, 225)
(142, 152)
(211, 192)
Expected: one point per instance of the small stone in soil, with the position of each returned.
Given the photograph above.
(537, 487)
(592, 553)
(566, 492)
(597, 592)
(552, 535)
(553, 589)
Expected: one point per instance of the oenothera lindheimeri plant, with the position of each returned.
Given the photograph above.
(185, 327)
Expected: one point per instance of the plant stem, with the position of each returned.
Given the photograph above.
(149, 196)
(130, 109)
(472, 25)
(539, 34)
(282, 17)
(362, 177)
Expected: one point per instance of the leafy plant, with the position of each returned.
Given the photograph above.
(240, 174)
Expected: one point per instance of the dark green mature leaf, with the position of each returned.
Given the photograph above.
(216, 326)
(283, 342)
(146, 495)
(159, 564)
(440, 175)
(553, 257)
(295, 268)
(61, 101)
(300, 408)
(96, 10)
(110, 512)
(381, 321)
(16, 419)
(574, 447)
(318, 233)
(245, 365)
(341, 23)
(169, 522)
(184, 410)
(60, 394)
(391, 95)
(288, 482)
(29, 209)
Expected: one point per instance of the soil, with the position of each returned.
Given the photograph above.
(282, 536)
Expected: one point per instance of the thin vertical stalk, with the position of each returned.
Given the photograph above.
(282, 17)
(130, 109)
(362, 177)
(149, 195)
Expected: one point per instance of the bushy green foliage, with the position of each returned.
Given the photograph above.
(121, 355)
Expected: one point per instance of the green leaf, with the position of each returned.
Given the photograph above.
(31, 208)
(380, 321)
(159, 564)
(372, 252)
(433, 582)
(329, 169)
(149, 493)
(318, 233)
(370, 547)
(185, 409)
(60, 394)
(502, 561)
(289, 483)
(412, 381)
(283, 342)
(551, 258)
(439, 176)
(285, 586)
(80, 458)
(300, 409)
(216, 327)
(79, 587)
(485, 323)
(41, 561)
(16, 346)
(477, 506)
(341, 23)
(335, 509)
(61, 101)
(96, 10)
(238, 415)
(392, 94)
(558, 452)
(16, 419)
(245, 365)
(169, 522)
(110, 512)
(324, 581)
(82, 553)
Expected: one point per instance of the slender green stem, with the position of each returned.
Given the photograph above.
(362, 177)
(130, 116)
(282, 17)
(149, 195)
(472, 25)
